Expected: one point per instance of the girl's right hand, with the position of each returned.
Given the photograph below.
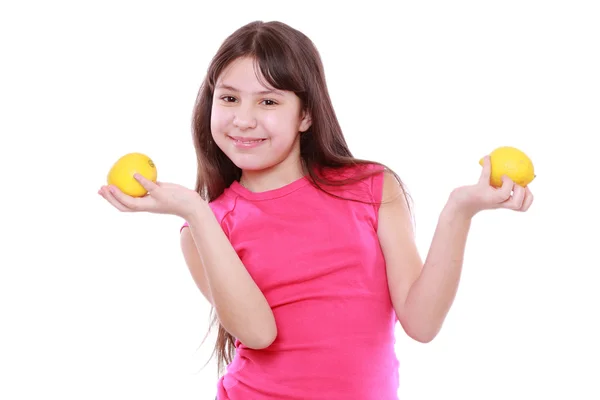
(162, 198)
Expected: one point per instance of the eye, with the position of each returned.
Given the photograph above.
(269, 102)
(228, 99)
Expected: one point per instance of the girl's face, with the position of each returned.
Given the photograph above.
(257, 127)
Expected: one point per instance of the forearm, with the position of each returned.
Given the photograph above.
(241, 307)
(432, 294)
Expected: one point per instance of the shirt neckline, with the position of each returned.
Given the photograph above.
(269, 194)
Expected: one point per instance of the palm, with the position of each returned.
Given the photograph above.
(162, 198)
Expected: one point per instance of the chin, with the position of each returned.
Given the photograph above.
(252, 163)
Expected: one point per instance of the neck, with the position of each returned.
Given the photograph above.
(272, 178)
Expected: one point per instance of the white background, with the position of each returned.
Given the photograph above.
(96, 304)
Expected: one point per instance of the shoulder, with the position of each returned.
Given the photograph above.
(395, 202)
(221, 207)
(365, 176)
(387, 192)
(392, 188)
(358, 172)
(384, 184)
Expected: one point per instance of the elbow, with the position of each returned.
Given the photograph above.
(256, 332)
(260, 343)
(262, 339)
(423, 337)
(424, 333)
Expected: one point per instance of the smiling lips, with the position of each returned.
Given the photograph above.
(246, 142)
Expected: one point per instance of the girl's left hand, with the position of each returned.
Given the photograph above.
(482, 196)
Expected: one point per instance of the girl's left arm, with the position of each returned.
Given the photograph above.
(422, 293)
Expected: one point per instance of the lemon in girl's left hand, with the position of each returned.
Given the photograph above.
(511, 162)
(121, 173)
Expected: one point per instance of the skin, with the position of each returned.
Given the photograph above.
(422, 292)
(244, 108)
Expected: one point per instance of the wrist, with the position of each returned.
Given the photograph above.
(458, 207)
(197, 212)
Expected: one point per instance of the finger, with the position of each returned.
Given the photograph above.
(486, 171)
(503, 193)
(108, 196)
(146, 183)
(132, 203)
(516, 201)
(527, 200)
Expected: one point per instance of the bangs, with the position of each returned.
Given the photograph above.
(276, 65)
(283, 59)
(274, 71)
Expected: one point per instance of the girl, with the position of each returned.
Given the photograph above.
(305, 253)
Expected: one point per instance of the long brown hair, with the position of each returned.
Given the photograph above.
(287, 60)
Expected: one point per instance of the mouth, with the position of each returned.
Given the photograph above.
(246, 142)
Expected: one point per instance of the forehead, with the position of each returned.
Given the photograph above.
(243, 75)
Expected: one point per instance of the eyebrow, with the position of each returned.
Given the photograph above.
(262, 92)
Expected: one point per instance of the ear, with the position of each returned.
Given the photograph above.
(305, 122)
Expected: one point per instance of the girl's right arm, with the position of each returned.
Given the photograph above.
(241, 307)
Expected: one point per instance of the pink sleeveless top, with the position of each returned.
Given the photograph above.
(318, 261)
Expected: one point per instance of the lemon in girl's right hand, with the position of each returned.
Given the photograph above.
(511, 162)
(121, 173)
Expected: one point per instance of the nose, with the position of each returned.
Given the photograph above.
(244, 118)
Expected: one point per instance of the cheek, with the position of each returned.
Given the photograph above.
(219, 120)
(280, 126)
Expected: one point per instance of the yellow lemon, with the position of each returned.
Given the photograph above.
(511, 162)
(121, 173)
